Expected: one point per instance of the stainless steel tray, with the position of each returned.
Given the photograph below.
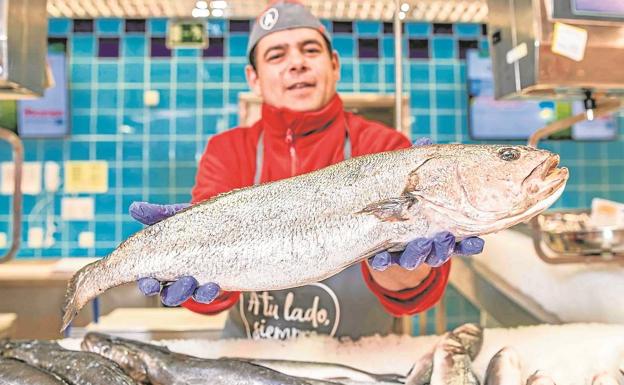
(569, 237)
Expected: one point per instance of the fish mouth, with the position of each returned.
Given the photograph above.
(546, 178)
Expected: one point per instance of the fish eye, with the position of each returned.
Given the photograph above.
(509, 154)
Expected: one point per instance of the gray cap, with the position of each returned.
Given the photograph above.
(282, 15)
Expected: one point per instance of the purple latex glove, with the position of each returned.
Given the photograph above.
(150, 213)
(424, 141)
(176, 292)
(433, 251)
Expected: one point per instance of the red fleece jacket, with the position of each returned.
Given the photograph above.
(296, 143)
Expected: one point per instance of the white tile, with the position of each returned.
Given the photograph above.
(35, 237)
(52, 176)
(86, 239)
(77, 209)
(31, 178)
(151, 98)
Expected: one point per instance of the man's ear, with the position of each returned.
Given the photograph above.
(253, 80)
(335, 60)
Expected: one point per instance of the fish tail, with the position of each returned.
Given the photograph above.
(81, 288)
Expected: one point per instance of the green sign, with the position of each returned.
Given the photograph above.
(187, 34)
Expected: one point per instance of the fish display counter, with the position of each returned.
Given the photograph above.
(568, 354)
(513, 286)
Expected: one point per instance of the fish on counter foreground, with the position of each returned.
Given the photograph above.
(15, 372)
(469, 335)
(325, 371)
(452, 364)
(604, 379)
(539, 378)
(504, 368)
(312, 226)
(76, 368)
(157, 365)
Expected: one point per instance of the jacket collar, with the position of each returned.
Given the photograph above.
(284, 121)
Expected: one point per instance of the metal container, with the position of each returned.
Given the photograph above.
(23, 48)
(568, 237)
(527, 63)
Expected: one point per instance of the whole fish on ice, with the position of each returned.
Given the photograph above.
(452, 364)
(604, 379)
(469, 335)
(539, 378)
(504, 368)
(312, 226)
(157, 365)
(15, 372)
(325, 371)
(76, 368)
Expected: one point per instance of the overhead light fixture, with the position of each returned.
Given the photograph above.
(217, 12)
(401, 15)
(201, 4)
(218, 4)
(404, 7)
(198, 12)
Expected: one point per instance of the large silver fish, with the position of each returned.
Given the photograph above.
(157, 365)
(504, 368)
(14, 372)
(76, 368)
(307, 228)
(470, 337)
(452, 364)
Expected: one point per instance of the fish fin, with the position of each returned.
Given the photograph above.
(73, 301)
(391, 209)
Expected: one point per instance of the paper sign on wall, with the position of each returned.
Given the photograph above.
(47, 117)
(77, 209)
(86, 176)
(31, 178)
(569, 41)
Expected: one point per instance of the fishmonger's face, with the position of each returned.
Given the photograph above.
(294, 69)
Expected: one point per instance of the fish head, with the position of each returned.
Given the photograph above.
(479, 189)
(128, 356)
(504, 367)
(506, 357)
(604, 378)
(471, 337)
(26, 350)
(540, 378)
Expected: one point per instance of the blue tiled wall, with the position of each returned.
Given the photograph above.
(153, 151)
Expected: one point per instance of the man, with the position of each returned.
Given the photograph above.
(304, 128)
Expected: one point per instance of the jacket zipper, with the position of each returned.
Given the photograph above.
(290, 139)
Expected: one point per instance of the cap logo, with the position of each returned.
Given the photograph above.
(269, 19)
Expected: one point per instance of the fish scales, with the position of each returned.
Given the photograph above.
(157, 365)
(266, 226)
(469, 335)
(326, 371)
(76, 368)
(312, 226)
(15, 372)
(452, 364)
